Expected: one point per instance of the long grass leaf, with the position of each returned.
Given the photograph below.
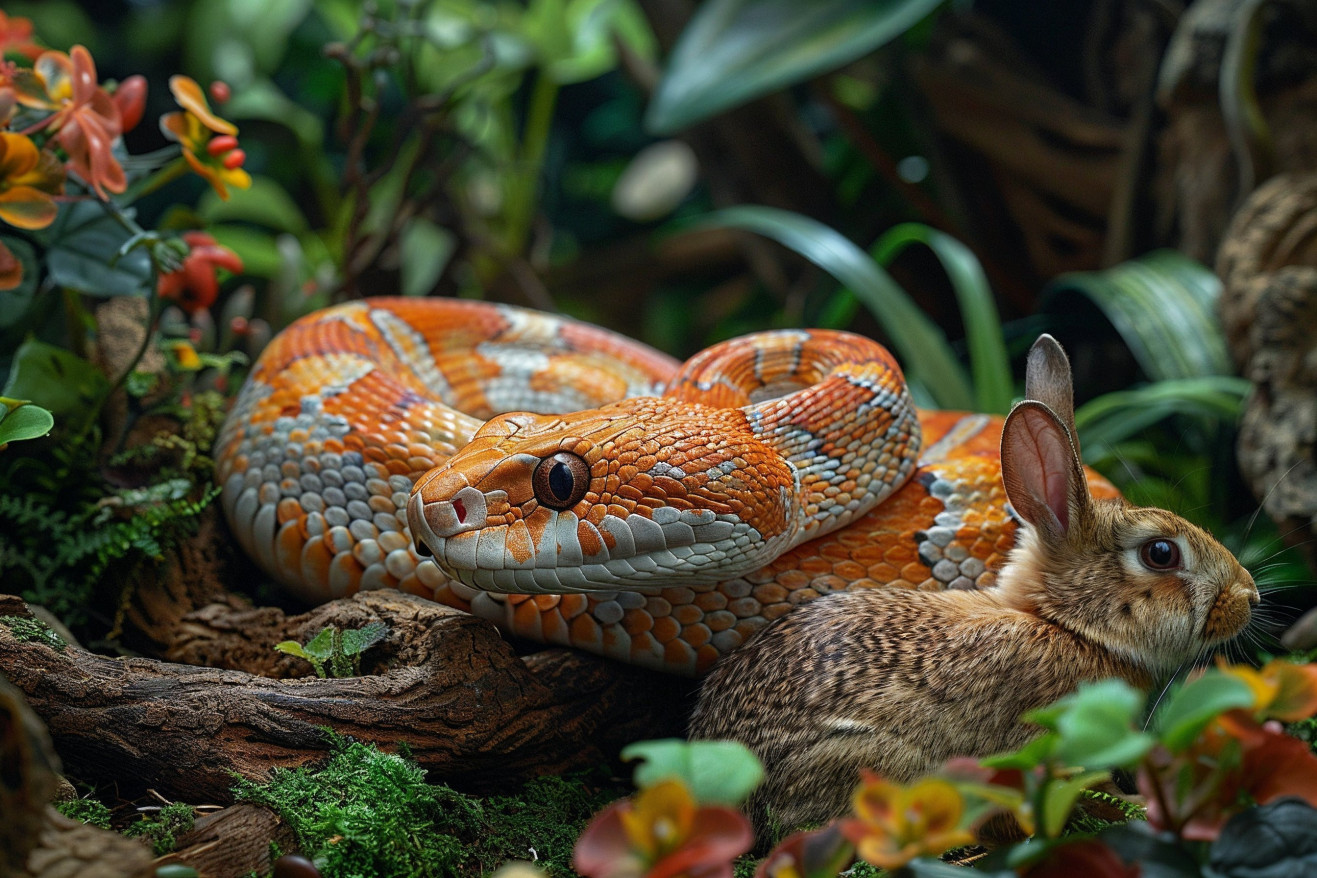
(994, 388)
(920, 344)
(1114, 417)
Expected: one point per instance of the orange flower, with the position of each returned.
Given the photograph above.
(894, 824)
(85, 116)
(210, 144)
(1281, 689)
(130, 98)
(194, 285)
(662, 834)
(28, 179)
(16, 36)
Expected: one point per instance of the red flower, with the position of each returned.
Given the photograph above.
(130, 98)
(662, 834)
(194, 285)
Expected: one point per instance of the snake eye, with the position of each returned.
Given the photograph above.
(560, 481)
(1160, 554)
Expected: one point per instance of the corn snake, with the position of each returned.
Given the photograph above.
(342, 415)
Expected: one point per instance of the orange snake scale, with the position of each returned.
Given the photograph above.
(658, 530)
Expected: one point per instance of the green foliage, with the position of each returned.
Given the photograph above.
(27, 629)
(19, 420)
(93, 812)
(735, 50)
(1195, 704)
(337, 651)
(163, 829)
(365, 812)
(716, 772)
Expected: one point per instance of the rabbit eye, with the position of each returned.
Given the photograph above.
(1160, 554)
(560, 481)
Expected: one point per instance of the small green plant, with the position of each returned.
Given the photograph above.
(366, 812)
(93, 812)
(164, 828)
(337, 653)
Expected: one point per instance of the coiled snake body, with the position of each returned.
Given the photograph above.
(775, 468)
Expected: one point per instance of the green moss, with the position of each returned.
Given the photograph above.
(366, 812)
(164, 828)
(27, 630)
(93, 812)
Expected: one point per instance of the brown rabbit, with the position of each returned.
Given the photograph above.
(900, 681)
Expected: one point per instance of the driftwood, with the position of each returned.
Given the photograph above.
(471, 712)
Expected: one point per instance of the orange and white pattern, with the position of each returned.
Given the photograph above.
(659, 530)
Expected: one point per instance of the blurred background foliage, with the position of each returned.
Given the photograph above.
(951, 178)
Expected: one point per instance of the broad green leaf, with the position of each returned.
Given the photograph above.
(733, 51)
(1096, 726)
(426, 249)
(24, 421)
(1163, 305)
(1195, 704)
(1113, 417)
(292, 647)
(258, 250)
(994, 389)
(1059, 800)
(1276, 840)
(322, 645)
(716, 772)
(358, 640)
(83, 254)
(266, 204)
(931, 368)
(58, 380)
(1038, 751)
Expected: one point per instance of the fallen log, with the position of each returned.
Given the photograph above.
(447, 685)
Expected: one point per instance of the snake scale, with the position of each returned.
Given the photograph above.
(653, 512)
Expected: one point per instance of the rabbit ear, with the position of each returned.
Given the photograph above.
(1047, 379)
(1041, 470)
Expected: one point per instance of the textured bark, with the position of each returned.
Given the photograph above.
(232, 842)
(471, 711)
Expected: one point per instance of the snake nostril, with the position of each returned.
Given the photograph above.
(423, 550)
(460, 509)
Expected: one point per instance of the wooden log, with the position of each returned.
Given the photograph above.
(470, 711)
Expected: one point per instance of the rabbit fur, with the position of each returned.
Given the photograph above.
(900, 681)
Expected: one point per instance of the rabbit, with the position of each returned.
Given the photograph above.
(900, 681)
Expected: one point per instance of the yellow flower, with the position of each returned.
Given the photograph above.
(894, 824)
(1281, 689)
(28, 180)
(210, 144)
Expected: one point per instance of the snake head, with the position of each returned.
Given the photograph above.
(642, 493)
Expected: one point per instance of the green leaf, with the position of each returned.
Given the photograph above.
(733, 51)
(1163, 305)
(83, 254)
(426, 248)
(994, 389)
(266, 204)
(1191, 707)
(322, 645)
(930, 365)
(1114, 417)
(716, 772)
(358, 640)
(24, 421)
(1096, 726)
(1276, 840)
(1059, 800)
(292, 647)
(58, 380)
(1037, 751)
